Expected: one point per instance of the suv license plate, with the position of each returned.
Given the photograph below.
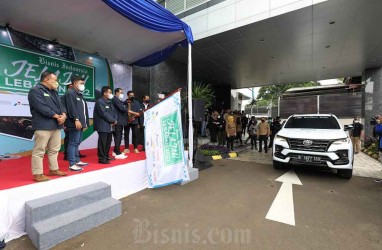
(308, 158)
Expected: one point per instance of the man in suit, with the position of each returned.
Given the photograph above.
(134, 109)
(66, 140)
(121, 110)
(105, 118)
(78, 120)
(48, 116)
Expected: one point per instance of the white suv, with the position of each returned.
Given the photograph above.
(314, 139)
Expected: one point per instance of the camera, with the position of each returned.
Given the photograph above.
(374, 119)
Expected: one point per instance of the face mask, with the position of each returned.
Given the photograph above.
(110, 96)
(131, 98)
(55, 85)
(121, 96)
(147, 101)
(81, 87)
(263, 120)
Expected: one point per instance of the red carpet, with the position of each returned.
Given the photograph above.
(15, 173)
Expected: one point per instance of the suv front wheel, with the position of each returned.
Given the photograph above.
(345, 173)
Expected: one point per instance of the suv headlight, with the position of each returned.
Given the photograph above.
(280, 138)
(342, 141)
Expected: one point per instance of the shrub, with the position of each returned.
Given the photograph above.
(221, 149)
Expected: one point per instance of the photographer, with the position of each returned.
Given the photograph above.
(357, 135)
(378, 130)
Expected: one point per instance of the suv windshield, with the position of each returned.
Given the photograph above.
(315, 122)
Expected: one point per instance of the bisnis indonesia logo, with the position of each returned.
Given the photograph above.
(18, 103)
(151, 233)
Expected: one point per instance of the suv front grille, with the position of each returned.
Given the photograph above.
(316, 146)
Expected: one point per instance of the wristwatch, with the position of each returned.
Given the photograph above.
(76, 119)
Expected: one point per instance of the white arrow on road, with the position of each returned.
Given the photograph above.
(282, 208)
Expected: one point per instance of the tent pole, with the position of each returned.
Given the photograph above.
(190, 125)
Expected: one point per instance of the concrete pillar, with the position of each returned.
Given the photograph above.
(373, 96)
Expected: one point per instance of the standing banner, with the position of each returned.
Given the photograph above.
(165, 159)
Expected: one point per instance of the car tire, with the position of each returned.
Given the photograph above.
(278, 165)
(345, 173)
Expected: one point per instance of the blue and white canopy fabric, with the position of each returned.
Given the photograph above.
(153, 16)
(139, 32)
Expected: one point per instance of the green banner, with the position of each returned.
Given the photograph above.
(20, 70)
(171, 136)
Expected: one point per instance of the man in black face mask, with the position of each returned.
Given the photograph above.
(134, 109)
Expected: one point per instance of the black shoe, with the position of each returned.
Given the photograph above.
(110, 158)
(266, 151)
(104, 162)
(259, 151)
(82, 156)
(2, 244)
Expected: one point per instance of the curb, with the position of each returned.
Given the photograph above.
(225, 156)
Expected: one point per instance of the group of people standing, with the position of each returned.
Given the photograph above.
(112, 117)
(230, 126)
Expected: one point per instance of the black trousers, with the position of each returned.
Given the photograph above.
(117, 134)
(238, 137)
(134, 135)
(263, 138)
(253, 140)
(271, 138)
(230, 141)
(221, 137)
(213, 134)
(104, 143)
(66, 142)
(141, 137)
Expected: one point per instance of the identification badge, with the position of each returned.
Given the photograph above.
(45, 94)
(107, 107)
(78, 99)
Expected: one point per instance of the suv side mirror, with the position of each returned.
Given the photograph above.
(348, 128)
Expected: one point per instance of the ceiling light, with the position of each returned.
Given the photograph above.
(4, 33)
(332, 22)
(90, 57)
(50, 46)
(327, 46)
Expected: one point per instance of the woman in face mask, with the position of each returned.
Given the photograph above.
(231, 131)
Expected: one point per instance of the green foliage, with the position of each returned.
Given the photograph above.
(262, 103)
(272, 93)
(203, 91)
(207, 152)
(252, 103)
(372, 151)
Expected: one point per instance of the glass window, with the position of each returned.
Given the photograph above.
(315, 122)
